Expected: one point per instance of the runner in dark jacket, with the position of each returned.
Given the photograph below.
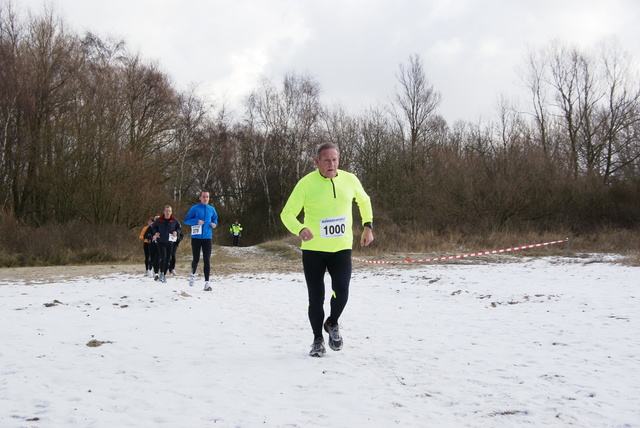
(165, 229)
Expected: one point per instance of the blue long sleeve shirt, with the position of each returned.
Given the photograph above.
(205, 213)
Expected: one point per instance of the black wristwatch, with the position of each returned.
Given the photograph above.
(369, 225)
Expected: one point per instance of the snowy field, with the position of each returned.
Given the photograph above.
(529, 342)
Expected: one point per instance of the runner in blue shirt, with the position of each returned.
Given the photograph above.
(202, 218)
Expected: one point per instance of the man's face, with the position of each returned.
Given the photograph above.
(204, 197)
(328, 162)
(167, 212)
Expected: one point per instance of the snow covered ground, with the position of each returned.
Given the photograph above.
(548, 341)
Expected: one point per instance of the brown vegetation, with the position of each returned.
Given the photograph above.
(82, 244)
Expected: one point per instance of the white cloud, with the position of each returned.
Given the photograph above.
(491, 47)
(353, 47)
(447, 51)
(448, 9)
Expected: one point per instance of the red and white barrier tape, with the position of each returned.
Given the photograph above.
(506, 250)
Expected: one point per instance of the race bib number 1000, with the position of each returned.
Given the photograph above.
(196, 230)
(333, 227)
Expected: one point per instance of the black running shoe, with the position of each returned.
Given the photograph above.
(335, 339)
(317, 349)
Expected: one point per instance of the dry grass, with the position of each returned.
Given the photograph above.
(632, 259)
(285, 248)
(73, 243)
(395, 243)
(80, 243)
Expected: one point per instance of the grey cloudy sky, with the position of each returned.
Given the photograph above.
(353, 48)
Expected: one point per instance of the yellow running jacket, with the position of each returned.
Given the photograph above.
(328, 209)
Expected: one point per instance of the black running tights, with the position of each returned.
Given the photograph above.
(205, 246)
(164, 253)
(315, 264)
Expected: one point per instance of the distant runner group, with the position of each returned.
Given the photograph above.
(163, 234)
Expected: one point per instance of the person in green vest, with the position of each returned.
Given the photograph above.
(236, 232)
(326, 195)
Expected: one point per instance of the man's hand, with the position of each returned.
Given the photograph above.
(367, 237)
(306, 235)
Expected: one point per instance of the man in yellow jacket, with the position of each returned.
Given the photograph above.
(327, 196)
(236, 232)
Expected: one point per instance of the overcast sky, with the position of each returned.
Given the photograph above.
(352, 48)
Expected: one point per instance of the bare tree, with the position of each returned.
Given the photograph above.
(47, 58)
(11, 86)
(191, 120)
(417, 102)
(342, 130)
(620, 113)
(534, 77)
(285, 127)
(375, 157)
(586, 103)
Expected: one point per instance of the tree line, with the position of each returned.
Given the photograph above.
(92, 132)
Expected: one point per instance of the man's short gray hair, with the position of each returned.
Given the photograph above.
(325, 146)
